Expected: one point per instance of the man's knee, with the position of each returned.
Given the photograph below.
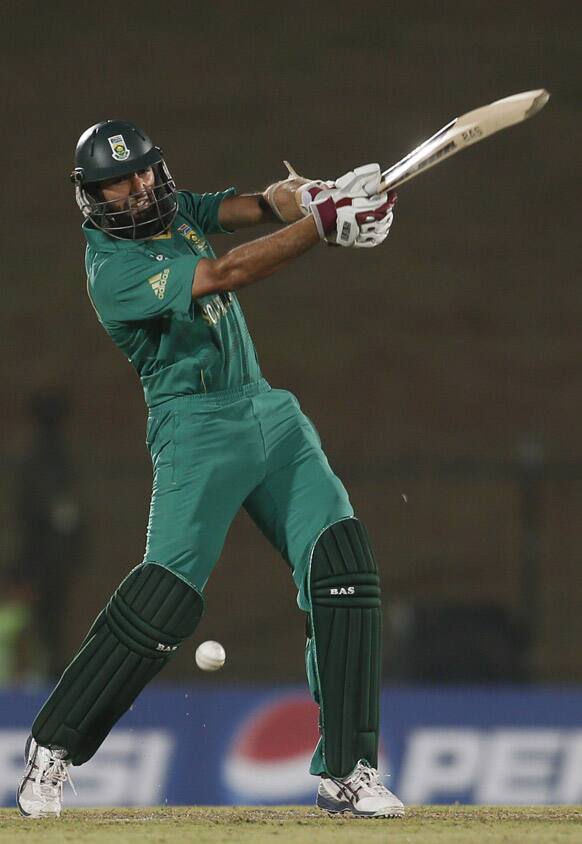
(144, 623)
(343, 570)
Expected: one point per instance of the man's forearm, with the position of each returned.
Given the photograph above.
(279, 203)
(246, 209)
(255, 260)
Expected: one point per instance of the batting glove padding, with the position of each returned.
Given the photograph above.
(349, 211)
(374, 228)
(359, 222)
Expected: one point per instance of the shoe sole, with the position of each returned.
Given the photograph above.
(337, 808)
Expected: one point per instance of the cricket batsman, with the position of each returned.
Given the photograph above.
(220, 438)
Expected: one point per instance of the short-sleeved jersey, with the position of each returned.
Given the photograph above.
(142, 293)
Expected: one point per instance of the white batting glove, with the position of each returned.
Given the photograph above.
(360, 221)
(363, 181)
(374, 233)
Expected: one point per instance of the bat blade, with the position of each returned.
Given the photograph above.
(463, 131)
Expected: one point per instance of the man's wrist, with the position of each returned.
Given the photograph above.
(324, 212)
(284, 198)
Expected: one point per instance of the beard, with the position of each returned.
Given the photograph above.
(137, 216)
(142, 215)
(138, 205)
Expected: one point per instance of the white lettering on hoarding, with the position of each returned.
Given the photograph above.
(443, 761)
(130, 769)
(519, 766)
(504, 765)
(569, 781)
(512, 766)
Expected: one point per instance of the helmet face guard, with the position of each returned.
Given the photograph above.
(127, 221)
(113, 150)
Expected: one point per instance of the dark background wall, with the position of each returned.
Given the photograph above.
(457, 340)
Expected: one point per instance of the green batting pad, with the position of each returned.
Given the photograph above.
(346, 645)
(142, 626)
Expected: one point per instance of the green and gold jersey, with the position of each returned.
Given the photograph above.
(142, 293)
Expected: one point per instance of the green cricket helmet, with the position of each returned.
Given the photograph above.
(113, 149)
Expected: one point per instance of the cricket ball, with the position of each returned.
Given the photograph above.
(210, 656)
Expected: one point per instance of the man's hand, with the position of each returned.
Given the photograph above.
(363, 181)
(351, 213)
(373, 233)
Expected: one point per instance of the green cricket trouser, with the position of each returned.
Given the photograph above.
(250, 447)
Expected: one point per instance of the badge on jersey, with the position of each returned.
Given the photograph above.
(119, 149)
(194, 238)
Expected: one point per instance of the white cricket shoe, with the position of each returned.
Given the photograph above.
(40, 793)
(362, 793)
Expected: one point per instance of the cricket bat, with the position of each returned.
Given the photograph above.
(463, 131)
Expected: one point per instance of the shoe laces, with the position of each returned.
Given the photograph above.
(365, 778)
(53, 776)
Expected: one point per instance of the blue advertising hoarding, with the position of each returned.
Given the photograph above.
(188, 745)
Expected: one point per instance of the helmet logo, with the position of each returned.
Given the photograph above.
(119, 149)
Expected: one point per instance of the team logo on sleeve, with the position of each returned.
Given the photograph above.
(119, 149)
(194, 238)
(158, 282)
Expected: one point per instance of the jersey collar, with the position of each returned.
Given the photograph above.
(102, 242)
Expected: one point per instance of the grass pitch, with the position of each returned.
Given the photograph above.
(291, 825)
